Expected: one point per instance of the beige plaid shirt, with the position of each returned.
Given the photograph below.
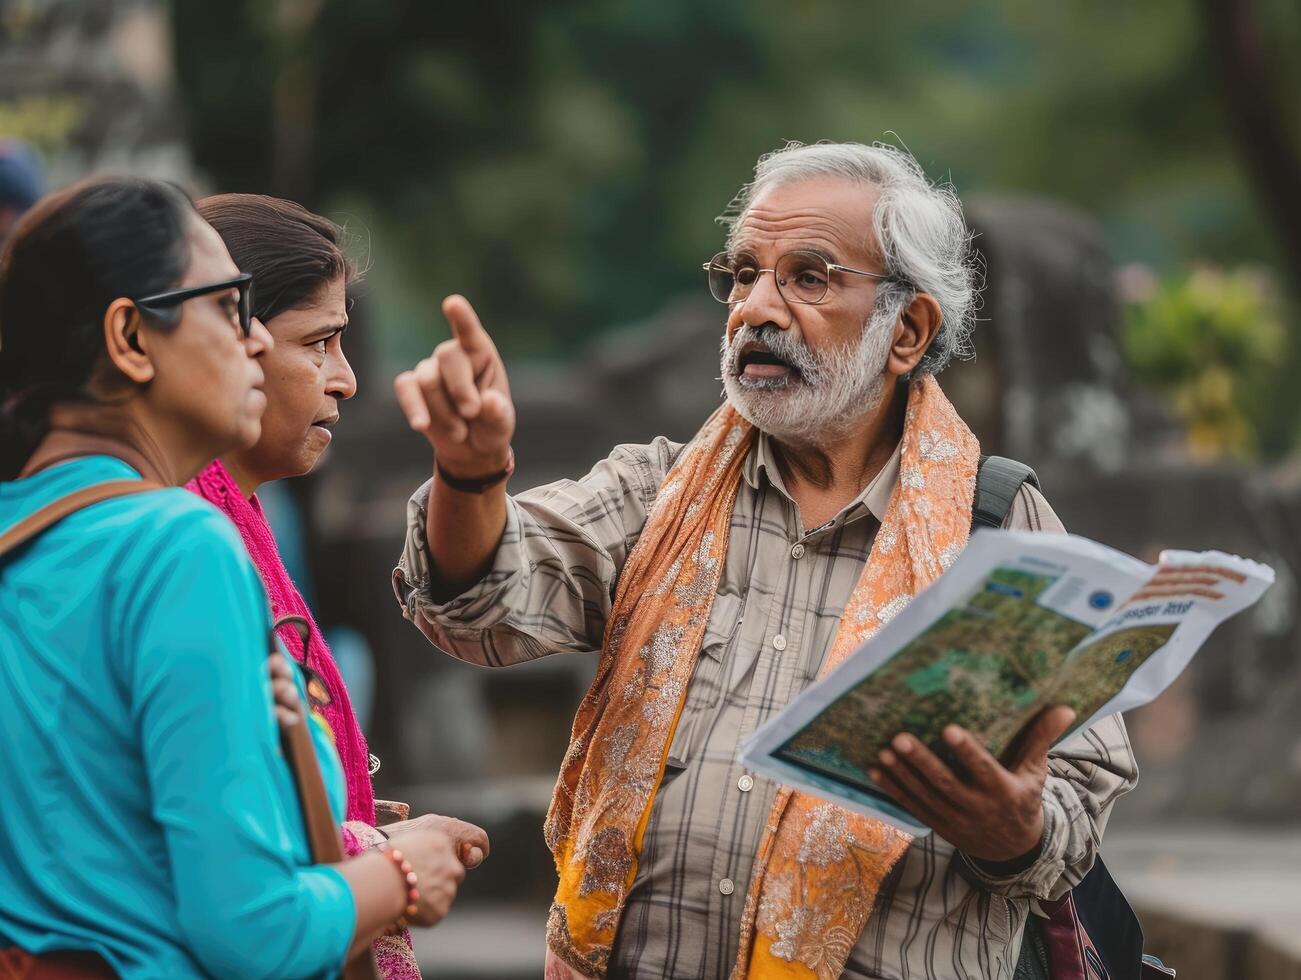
(772, 623)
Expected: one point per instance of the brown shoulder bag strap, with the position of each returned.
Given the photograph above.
(55, 511)
(322, 832)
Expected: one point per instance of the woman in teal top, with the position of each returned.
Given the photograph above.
(148, 815)
(129, 747)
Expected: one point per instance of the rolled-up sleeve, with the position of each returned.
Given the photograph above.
(1087, 773)
(552, 579)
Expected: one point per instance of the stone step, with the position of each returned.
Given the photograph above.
(482, 941)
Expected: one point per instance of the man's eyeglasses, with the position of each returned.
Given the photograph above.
(175, 297)
(802, 277)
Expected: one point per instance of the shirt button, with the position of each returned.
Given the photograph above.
(726, 886)
(779, 642)
(745, 783)
(797, 552)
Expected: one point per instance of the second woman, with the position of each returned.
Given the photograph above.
(302, 278)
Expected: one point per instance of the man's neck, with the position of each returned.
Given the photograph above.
(824, 478)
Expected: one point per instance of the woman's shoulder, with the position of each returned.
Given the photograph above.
(171, 518)
(185, 563)
(162, 528)
(152, 520)
(154, 550)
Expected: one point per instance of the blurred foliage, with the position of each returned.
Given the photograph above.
(1213, 342)
(46, 122)
(561, 163)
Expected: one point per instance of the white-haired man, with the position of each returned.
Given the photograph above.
(720, 577)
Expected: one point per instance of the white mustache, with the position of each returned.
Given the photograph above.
(779, 344)
(838, 384)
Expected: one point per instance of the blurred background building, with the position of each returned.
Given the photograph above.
(1133, 174)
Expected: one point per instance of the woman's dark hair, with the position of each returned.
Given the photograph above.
(69, 257)
(291, 253)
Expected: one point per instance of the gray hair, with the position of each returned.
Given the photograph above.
(920, 232)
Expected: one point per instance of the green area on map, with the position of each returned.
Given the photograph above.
(986, 665)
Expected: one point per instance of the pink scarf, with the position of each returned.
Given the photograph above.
(215, 485)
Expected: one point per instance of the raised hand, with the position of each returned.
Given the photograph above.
(996, 813)
(459, 398)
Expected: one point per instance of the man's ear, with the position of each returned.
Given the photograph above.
(918, 324)
(128, 347)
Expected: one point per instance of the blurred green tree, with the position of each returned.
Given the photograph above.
(1212, 342)
(561, 163)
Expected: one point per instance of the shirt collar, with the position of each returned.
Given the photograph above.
(875, 496)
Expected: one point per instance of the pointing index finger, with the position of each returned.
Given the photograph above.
(466, 328)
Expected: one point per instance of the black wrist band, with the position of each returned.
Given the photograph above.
(477, 484)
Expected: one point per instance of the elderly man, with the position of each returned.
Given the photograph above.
(720, 577)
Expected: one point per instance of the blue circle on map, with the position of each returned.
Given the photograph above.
(1101, 600)
(1123, 656)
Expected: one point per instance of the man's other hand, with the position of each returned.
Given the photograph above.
(995, 814)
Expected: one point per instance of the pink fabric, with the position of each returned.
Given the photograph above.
(352, 834)
(219, 488)
(395, 959)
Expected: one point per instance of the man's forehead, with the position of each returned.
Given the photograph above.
(833, 212)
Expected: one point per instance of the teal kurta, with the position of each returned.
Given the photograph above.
(146, 811)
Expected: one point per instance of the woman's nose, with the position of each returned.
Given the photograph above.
(341, 382)
(259, 340)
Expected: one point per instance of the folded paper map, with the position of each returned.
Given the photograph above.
(1019, 623)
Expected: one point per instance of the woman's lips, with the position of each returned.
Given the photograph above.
(323, 427)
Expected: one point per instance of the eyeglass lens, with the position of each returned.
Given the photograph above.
(801, 277)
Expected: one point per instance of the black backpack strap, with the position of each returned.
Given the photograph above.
(998, 481)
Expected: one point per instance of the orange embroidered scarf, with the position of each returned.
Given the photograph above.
(819, 867)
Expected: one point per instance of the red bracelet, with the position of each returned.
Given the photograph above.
(412, 885)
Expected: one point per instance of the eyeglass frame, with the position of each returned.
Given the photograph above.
(831, 267)
(175, 297)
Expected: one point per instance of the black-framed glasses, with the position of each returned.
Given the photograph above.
(802, 277)
(175, 297)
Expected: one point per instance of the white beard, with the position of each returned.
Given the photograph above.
(827, 393)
